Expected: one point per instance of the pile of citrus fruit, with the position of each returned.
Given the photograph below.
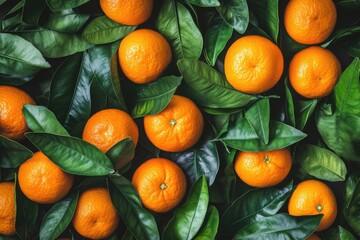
(148, 119)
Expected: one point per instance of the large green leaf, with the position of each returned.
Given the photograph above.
(205, 3)
(258, 115)
(58, 217)
(210, 226)
(139, 221)
(12, 153)
(20, 59)
(70, 90)
(67, 21)
(253, 206)
(337, 233)
(320, 163)
(351, 205)
(209, 88)
(188, 218)
(103, 30)
(235, 13)
(121, 153)
(57, 5)
(41, 119)
(72, 154)
(216, 38)
(177, 25)
(280, 226)
(152, 98)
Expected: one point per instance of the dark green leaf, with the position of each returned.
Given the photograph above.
(26, 214)
(253, 206)
(31, 14)
(41, 119)
(235, 13)
(209, 88)
(66, 21)
(72, 154)
(205, 3)
(58, 217)
(126, 200)
(340, 33)
(177, 25)
(304, 110)
(210, 226)
(58, 5)
(20, 59)
(188, 218)
(280, 226)
(216, 37)
(321, 163)
(122, 153)
(353, 47)
(352, 202)
(350, 4)
(12, 153)
(289, 105)
(104, 30)
(258, 115)
(153, 97)
(337, 233)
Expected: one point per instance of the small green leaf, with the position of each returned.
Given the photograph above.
(139, 221)
(58, 5)
(13, 154)
(258, 115)
(352, 202)
(58, 217)
(289, 105)
(67, 21)
(103, 30)
(235, 13)
(210, 226)
(304, 109)
(72, 154)
(121, 153)
(320, 163)
(188, 218)
(152, 98)
(339, 34)
(205, 3)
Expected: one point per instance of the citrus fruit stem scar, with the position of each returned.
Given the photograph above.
(163, 186)
(172, 122)
(319, 208)
(266, 159)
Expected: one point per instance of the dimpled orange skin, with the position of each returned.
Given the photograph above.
(144, 55)
(263, 169)
(128, 12)
(312, 197)
(313, 237)
(12, 120)
(107, 127)
(314, 71)
(95, 216)
(177, 128)
(7, 208)
(308, 21)
(253, 64)
(161, 184)
(43, 181)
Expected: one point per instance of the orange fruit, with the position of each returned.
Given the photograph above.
(314, 71)
(107, 127)
(308, 21)
(12, 120)
(95, 216)
(42, 181)
(253, 64)
(161, 184)
(312, 197)
(144, 55)
(7, 208)
(127, 12)
(263, 169)
(313, 237)
(177, 128)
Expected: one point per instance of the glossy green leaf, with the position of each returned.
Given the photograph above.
(340, 33)
(121, 153)
(289, 105)
(54, 44)
(304, 110)
(67, 21)
(209, 88)
(31, 14)
(200, 160)
(20, 59)
(12, 153)
(352, 202)
(72, 154)
(210, 226)
(337, 233)
(58, 5)
(103, 30)
(26, 214)
(13, 80)
(189, 218)
(70, 90)
(177, 25)
(320, 163)
(205, 3)
(139, 221)
(216, 38)
(41, 119)
(253, 206)
(58, 217)
(152, 98)
(258, 115)
(243, 137)
(280, 226)
(235, 13)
